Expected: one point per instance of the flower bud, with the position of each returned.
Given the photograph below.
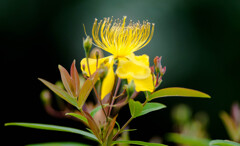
(152, 69)
(87, 45)
(59, 84)
(235, 112)
(83, 67)
(130, 88)
(156, 60)
(96, 53)
(103, 70)
(45, 96)
(162, 70)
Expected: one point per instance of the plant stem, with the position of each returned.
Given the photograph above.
(96, 93)
(145, 102)
(115, 94)
(123, 127)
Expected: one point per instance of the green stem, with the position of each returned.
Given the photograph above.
(124, 126)
(145, 102)
(115, 94)
(96, 93)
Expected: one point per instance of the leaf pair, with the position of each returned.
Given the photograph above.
(137, 109)
(71, 82)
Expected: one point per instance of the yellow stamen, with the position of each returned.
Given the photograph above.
(120, 39)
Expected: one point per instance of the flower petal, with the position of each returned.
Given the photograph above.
(144, 84)
(92, 63)
(134, 67)
(108, 81)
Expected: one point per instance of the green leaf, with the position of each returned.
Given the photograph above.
(150, 107)
(93, 125)
(87, 88)
(95, 110)
(59, 144)
(54, 128)
(137, 143)
(129, 130)
(187, 140)
(135, 108)
(60, 92)
(78, 116)
(177, 91)
(223, 143)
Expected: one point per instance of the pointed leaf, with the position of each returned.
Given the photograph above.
(150, 107)
(135, 108)
(129, 130)
(111, 126)
(78, 116)
(177, 91)
(138, 143)
(59, 144)
(93, 126)
(230, 126)
(223, 143)
(60, 92)
(53, 128)
(87, 88)
(75, 78)
(66, 80)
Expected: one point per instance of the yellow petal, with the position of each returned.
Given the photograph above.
(92, 63)
(134, 67)
(108, 81)
(144, 84)
(143, 59)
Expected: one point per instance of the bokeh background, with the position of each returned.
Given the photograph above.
(198, 39)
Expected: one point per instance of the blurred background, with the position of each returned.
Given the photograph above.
(199, 41)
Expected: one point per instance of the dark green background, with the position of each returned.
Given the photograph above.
(198, 39)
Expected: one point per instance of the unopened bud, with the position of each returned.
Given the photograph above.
(235, 112)
(83, 67)
(59, 84)
(103, 70)
(157, 64)
(156, 60)
(96, 53)
(45, 96)
(130, 88)
(162, 70)
(152, 69)
(87, 45)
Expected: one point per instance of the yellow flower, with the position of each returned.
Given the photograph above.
(121, 41)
